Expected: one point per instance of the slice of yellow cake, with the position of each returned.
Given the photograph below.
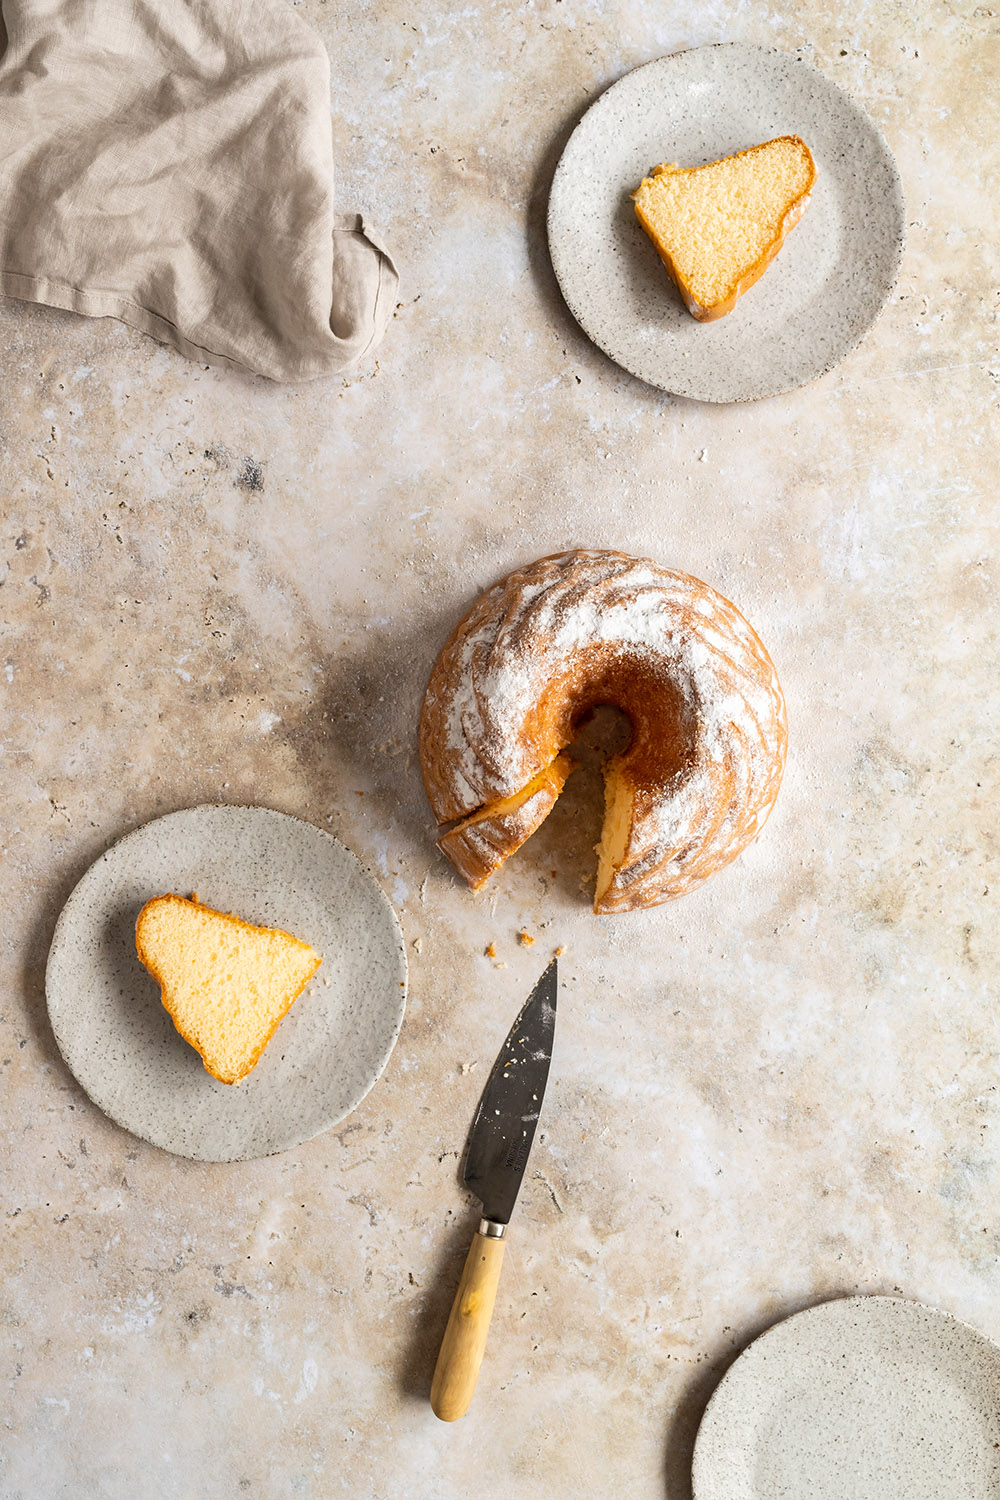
(225, 983)
(717, 228)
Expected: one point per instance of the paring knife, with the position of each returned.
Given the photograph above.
(497, 1155)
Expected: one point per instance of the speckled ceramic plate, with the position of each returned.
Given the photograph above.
(815, 301)
(328, 1050)
(868, 1398)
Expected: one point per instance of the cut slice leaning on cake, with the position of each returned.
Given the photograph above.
(225, 983)
(718, 227)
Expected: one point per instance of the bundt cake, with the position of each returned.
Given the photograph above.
(548, 644)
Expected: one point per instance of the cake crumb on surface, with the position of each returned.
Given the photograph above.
(524, 937)
(468, 1067)
(490, 950)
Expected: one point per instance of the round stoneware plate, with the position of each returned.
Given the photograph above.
(815, 301)
(869, 1398)
(328, 1050)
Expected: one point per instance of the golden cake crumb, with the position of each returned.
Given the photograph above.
(224, 982)
(717, 227)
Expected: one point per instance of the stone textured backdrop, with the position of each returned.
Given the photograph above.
(780, 1089)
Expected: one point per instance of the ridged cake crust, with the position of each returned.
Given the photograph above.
(552, 641)
(480, 843)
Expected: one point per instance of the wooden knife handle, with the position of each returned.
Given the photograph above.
(464, 1342)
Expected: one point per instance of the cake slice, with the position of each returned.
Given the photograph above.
(479, 844)
(717, 228)
(225, 983)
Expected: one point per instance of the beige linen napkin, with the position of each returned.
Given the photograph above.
(170, 163)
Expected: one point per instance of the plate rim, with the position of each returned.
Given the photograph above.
(857, 1300)
(65, 916)
(899, 235)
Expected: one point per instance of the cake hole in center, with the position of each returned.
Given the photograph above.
(563, 848)
(601, 733)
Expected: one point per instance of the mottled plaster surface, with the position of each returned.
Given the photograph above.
(783, 1087)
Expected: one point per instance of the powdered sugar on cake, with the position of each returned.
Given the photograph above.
(566, 620)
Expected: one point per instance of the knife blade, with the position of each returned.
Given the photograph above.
(496, 1157)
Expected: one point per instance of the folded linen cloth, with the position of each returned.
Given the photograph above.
(170, 163)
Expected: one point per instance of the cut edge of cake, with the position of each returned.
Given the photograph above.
(616, 830)
(484, 840)
(479, 844)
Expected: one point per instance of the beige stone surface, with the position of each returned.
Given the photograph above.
(783, 1087)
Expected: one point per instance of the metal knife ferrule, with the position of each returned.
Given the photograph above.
(491, 1230)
